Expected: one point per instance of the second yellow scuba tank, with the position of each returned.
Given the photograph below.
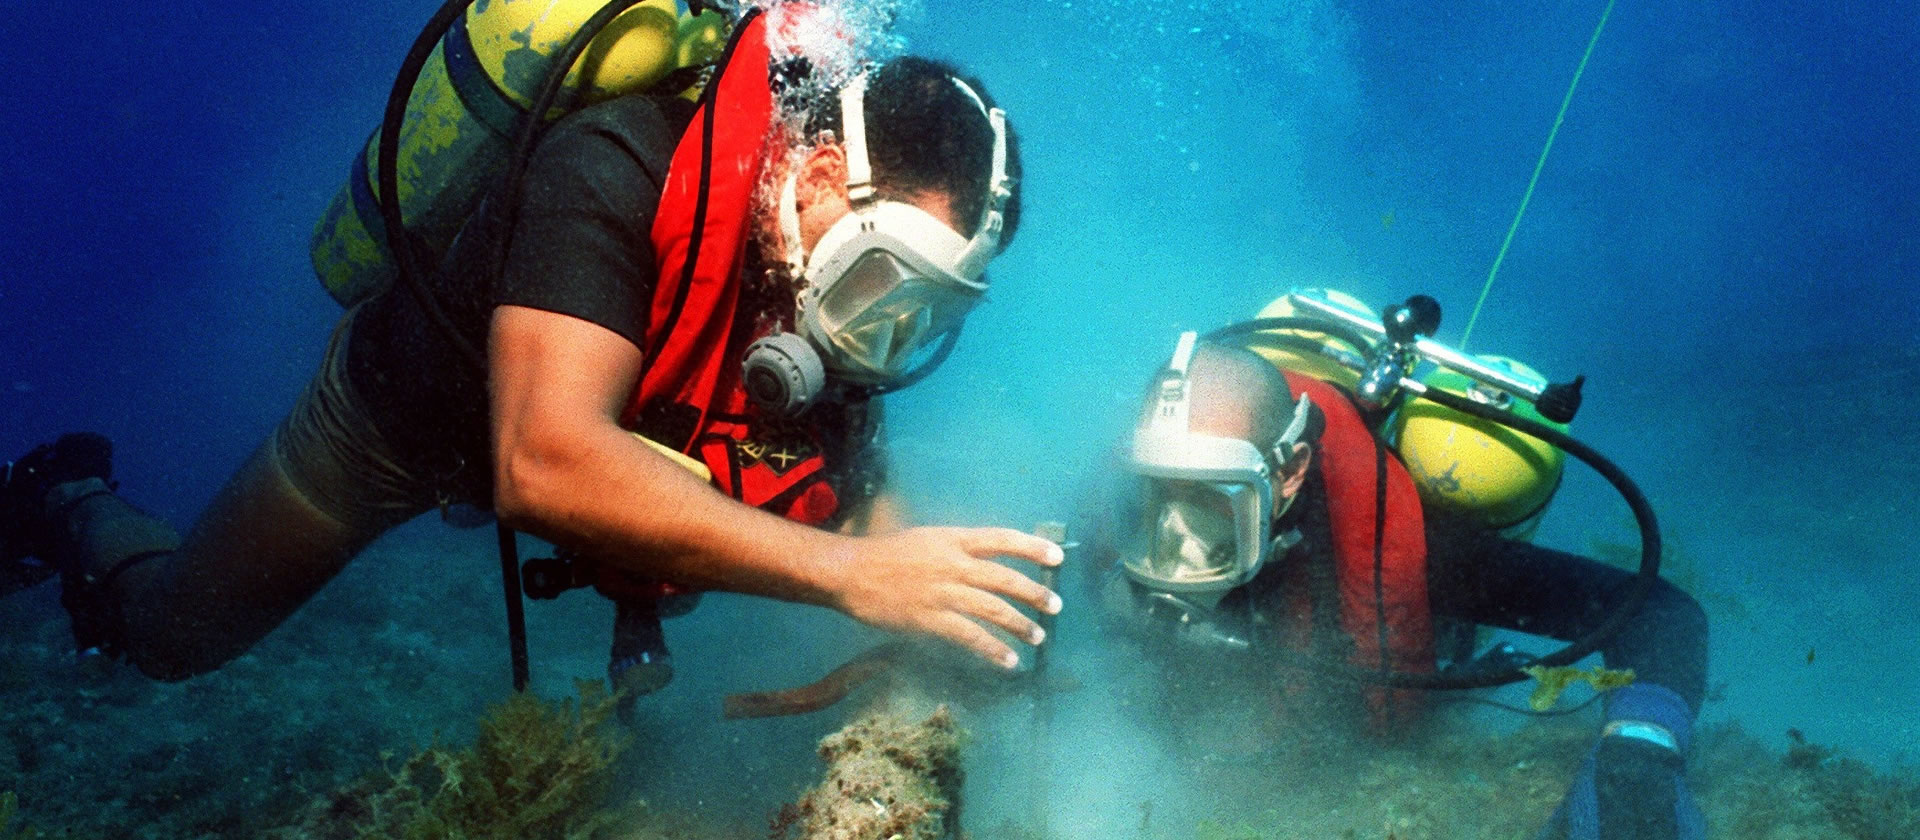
(1295, 357)
(462, 112)
(1502, 478)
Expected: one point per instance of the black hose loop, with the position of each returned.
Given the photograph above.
(1574, 651)
(1262, 325)
(1644, 579)
(404, 251)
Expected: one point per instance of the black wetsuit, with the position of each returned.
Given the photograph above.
(1478, 577)
(581, 248)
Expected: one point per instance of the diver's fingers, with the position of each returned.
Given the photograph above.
(955, 628)
(1001, 580)
(1006, 542)
(995, 611)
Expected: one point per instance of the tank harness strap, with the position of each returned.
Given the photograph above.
(477, 91)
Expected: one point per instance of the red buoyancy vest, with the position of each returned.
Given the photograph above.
(695, 329)
(1379, 550)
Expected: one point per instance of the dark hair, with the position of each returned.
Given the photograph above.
(925, 135)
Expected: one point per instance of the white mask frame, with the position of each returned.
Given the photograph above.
(1164, 449)
(934, 267)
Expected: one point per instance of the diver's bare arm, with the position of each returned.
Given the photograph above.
(565, 470)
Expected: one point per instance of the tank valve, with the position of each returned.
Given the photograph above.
(1560, 402)
(1405, 325)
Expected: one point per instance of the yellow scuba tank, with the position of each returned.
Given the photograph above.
(1501, 477)
(1300, 361)
(462, 112)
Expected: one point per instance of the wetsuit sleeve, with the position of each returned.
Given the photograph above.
(1480, 577)
(581, 242)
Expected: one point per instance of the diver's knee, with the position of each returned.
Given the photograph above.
(1675, 609)
(103, 533)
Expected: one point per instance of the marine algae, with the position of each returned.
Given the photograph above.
(10, 808)
(9, 805)
(536, 770)
(1550, 683)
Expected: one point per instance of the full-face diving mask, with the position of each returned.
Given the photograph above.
(887, 286)
(1200, 523)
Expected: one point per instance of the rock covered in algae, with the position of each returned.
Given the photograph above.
(887, 777)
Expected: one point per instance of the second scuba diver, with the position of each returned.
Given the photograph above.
(734, 284)
(1266, 517)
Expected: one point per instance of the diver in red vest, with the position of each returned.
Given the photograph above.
(1264, 515)
(682, 343)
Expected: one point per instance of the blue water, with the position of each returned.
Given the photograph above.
(1724, 240)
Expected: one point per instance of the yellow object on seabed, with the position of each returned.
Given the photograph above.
(462, 113)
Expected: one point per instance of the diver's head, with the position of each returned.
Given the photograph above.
(1219, 454)
(928, 141)
(889, 220)
(1233, 393)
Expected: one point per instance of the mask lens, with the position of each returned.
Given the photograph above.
(1185, 532)
(882, 315)
(871, 278)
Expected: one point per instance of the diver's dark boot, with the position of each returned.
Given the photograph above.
(57, 506)
(28, 534)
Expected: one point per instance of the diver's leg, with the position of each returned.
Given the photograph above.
(322, 487)
(261, 550)
(1524, 587)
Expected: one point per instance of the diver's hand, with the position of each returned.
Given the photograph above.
(940, 581)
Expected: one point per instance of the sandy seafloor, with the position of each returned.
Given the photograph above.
(1722, 241)
(399, 655)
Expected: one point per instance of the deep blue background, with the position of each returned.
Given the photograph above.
(1723, 240)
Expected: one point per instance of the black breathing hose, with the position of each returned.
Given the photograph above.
(534, 119)
(406, 254)
(399, 242)
(1264, 331)
(1637, 592)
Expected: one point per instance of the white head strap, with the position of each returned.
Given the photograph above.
(861, 194)
(1283, 448)
(853, 122)
(1173, 403)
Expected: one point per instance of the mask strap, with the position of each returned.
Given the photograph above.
(986, 237)
(1170, 412)
(1302, 410)
(860, 192)
(853, 122)
(1282, 451)
(790, 225)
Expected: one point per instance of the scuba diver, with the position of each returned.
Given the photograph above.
(686, 310)
(1270, 522)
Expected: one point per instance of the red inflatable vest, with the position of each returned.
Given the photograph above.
(1379, 551)
(696, 330)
